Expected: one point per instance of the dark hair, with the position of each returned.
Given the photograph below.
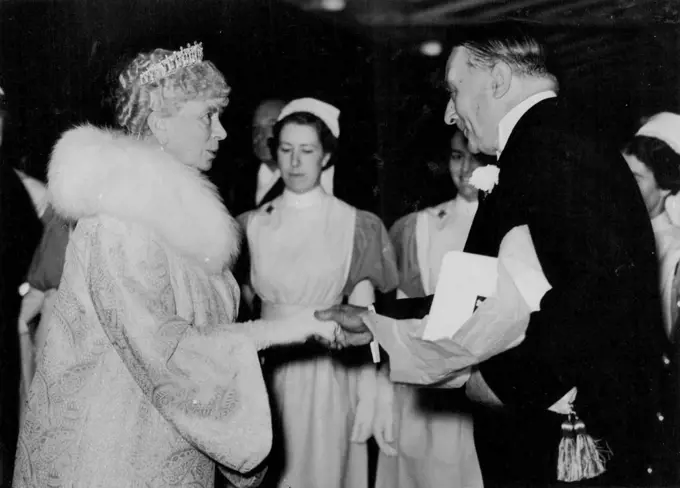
(440, 150)
(659, 158)
(329, 142)
(511, 44)
(433, 146)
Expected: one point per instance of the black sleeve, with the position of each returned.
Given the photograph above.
(407, 308)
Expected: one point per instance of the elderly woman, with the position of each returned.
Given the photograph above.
(144, 380)
(653, 155)
(310, 250)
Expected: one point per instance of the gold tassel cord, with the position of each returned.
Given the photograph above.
(580, 456)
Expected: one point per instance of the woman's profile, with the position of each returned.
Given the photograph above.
(144, 379)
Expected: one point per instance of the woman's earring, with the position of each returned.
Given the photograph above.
(162, 143)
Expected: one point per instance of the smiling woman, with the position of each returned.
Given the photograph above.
(433, 444)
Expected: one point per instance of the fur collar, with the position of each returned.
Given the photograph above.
(94, 171)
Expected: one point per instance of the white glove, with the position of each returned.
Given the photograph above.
(366, 393)
(295, 329)
(383, 422)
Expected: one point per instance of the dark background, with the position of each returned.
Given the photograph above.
(57, 58)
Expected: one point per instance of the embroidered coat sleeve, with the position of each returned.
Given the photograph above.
(208, 386)
(403, 235)
(373, 255)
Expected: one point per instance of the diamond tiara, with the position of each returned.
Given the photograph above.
(186, 56)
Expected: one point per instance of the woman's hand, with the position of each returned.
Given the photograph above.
(323, 331)
(363, 420)
(383, 422)
(365, 409)
(296, 329)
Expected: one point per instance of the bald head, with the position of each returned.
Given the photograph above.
(269, 107)
(264, 119)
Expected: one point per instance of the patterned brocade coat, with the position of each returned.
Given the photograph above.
(142, 380)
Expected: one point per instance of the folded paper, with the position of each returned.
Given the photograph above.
(440, 349)
(465, 281)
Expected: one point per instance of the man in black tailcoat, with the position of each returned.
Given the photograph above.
(599, 328)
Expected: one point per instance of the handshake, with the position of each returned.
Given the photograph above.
(351, 330)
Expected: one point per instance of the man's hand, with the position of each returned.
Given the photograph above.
(352, 330)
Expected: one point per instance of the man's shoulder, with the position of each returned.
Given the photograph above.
(556, 126)
(561, 118)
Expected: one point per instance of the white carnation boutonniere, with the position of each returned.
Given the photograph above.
(485, 178)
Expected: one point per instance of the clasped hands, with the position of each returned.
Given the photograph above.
(350, 329)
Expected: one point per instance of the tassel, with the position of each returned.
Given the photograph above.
(591, 454)
(580, 456)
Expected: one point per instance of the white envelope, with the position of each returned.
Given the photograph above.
(464, 280)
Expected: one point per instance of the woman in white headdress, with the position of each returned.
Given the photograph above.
(425, 434)
(653, 155)
(310, 250)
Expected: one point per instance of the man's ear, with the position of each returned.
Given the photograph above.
(501, 78)
(158, 126)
